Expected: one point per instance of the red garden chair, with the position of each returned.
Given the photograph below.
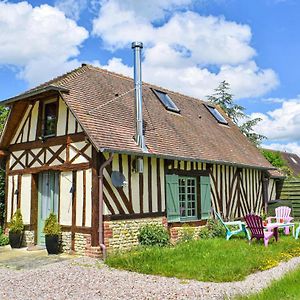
(255, 225)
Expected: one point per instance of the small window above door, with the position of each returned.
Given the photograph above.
(50, 118)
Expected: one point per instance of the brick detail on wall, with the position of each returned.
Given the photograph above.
(94, 252)
(123, 234)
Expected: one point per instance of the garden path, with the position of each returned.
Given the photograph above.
(86, 278)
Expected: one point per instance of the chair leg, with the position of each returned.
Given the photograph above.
(276, 233)
(228, 236)
(297, 233)
(266, 241)
(246, 232)
(287, 230)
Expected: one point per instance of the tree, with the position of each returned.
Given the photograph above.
(3, 115)
(223, 98)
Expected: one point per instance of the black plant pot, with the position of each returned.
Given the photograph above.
(52, 244)
(15, 239)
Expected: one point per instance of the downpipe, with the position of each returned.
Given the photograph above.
(101, 176)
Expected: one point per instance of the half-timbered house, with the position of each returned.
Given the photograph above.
(180, 157)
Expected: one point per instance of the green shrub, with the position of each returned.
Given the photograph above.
(212, 229)
(187, 233)
(275, 158)
(16, 223)
(153, 235)
(51, 226)
(3, 238)
(2, 212)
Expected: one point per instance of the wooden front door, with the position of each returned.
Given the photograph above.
(48, 195)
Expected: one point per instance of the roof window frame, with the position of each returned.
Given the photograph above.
(174, 109)
(209, 107)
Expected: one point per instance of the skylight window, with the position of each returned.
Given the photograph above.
(294, 160)
(216, 114)
(165, 99)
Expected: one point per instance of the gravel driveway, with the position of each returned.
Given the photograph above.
(86, 278)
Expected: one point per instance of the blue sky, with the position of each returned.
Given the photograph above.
(190, 46)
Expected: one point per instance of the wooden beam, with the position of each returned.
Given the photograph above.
(84, 198)
(95, 198)
(63, 168)
(34, 205)
(133, 216)
(19, 191)
(6, 190)
(17, 112)
(77, 229)
(48, 142)
(74, 186)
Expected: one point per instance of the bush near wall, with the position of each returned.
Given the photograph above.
(3, 238)
(153, 235)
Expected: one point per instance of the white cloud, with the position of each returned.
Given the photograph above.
(281, 124)
(72, 8)
(289, 147)
(180, 52)
(39, 40)
(116, 65)
(273, 100)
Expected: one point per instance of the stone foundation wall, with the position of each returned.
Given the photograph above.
(82, 245)
(122, 235)
(28, 238)
(178, 234)
(66, 241)
(118, 235)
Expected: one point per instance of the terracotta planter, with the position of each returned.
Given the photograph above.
(15, 239)
(52, 244)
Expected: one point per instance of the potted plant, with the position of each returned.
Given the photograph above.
(16, 228)
(52, 232)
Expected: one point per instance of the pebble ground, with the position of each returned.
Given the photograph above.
(86, 278)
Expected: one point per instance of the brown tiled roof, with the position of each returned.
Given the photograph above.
(103, 102)
(276, 174)
(293, 161)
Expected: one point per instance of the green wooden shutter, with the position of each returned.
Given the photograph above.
(172, 194)
(205, 197)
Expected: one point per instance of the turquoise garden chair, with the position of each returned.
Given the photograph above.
(297, 232)
(238, 224)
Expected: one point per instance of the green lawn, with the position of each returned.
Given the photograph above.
(214, 260)
(286, 288)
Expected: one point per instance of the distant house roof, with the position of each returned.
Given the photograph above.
(103, 103)
(293, 161)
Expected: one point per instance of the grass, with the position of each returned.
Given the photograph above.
(215, 260)
(286, 288)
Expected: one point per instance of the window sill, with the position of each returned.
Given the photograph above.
(186, 220)
(189, 222)
(48, 136)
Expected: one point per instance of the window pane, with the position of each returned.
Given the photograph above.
(216, 114)
(50, 111)
(187, 197)
(166, 101)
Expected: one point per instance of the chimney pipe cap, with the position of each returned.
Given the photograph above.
(136, 44)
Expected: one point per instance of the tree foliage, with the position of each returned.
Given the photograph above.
(224, 99)
(3, 115)
(276, 160)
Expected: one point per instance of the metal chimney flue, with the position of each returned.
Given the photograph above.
(139, 134)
